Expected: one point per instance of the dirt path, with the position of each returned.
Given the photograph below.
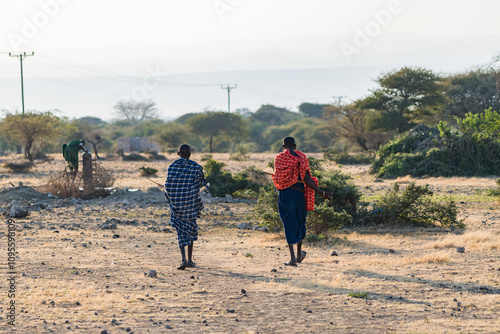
(75, 276)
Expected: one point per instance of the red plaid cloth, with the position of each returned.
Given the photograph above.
(286, 173)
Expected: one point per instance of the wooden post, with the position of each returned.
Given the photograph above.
(87, 172)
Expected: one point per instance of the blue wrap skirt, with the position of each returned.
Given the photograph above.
(292, 209)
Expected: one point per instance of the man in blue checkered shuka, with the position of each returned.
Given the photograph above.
(182, 191)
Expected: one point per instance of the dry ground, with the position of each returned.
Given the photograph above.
(74, 276)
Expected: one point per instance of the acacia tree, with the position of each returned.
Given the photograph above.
(135, 111)
(29, 128)
(473, 92)
(217, 123)
(173, 134)
(268, 115)
(405, 97)
(349, 123)
(312, 109)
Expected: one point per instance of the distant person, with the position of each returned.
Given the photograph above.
(182, 191)
(291, 171)
(70, 154)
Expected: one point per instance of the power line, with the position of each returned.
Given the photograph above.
(228, 95)
(72, 67)
(108, 75)
(21, 57)
(82, 69)
(103, 74)
(76, 86)
(340, 98)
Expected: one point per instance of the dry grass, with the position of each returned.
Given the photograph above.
(474, 240)
(433, 258)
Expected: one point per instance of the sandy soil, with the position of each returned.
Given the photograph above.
(75, 276)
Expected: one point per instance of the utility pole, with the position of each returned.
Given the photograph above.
(340, 97)
(21, 57)
(228, 95)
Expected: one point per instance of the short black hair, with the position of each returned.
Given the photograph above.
(289, 142)
(184, 148)
(184, 151)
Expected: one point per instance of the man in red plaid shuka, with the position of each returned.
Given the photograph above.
(296, 188)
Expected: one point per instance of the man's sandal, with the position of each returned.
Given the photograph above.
(292, 263)
(190, 264)
(183, 266)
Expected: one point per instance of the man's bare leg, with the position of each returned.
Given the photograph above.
(301, 255)
(190, 262)
(183, 256)
(293, 259)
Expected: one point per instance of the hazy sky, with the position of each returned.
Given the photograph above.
(77, 37)
(113, 23)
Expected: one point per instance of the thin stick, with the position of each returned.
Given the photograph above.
(299, 181)
(159, 185)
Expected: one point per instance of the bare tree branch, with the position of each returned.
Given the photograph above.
(136, 112)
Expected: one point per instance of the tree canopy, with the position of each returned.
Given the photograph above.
(405, 98)
(30, 128)
(471, 92)
(350, 123)
(135, 111)
(218, 123)
(272, 115)
(312, 109)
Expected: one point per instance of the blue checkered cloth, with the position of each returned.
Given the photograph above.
(182, 192)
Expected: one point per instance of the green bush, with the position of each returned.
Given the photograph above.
(327, 215)
(346, 195)
(242, 152)
(441, 151)
(223, 183)
(316, 165)
(311, 237)
(267, 207)
(148, 171)
(134, 157)
(494, 192)
(344, 158)
(324, 218)
(153, 155)
(412, 206)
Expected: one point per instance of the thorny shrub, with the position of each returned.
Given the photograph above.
(134, 157)
(244, 184)
(327, 215)
(64, 186)
(343, 157)
(412, 206)
(148, 171)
